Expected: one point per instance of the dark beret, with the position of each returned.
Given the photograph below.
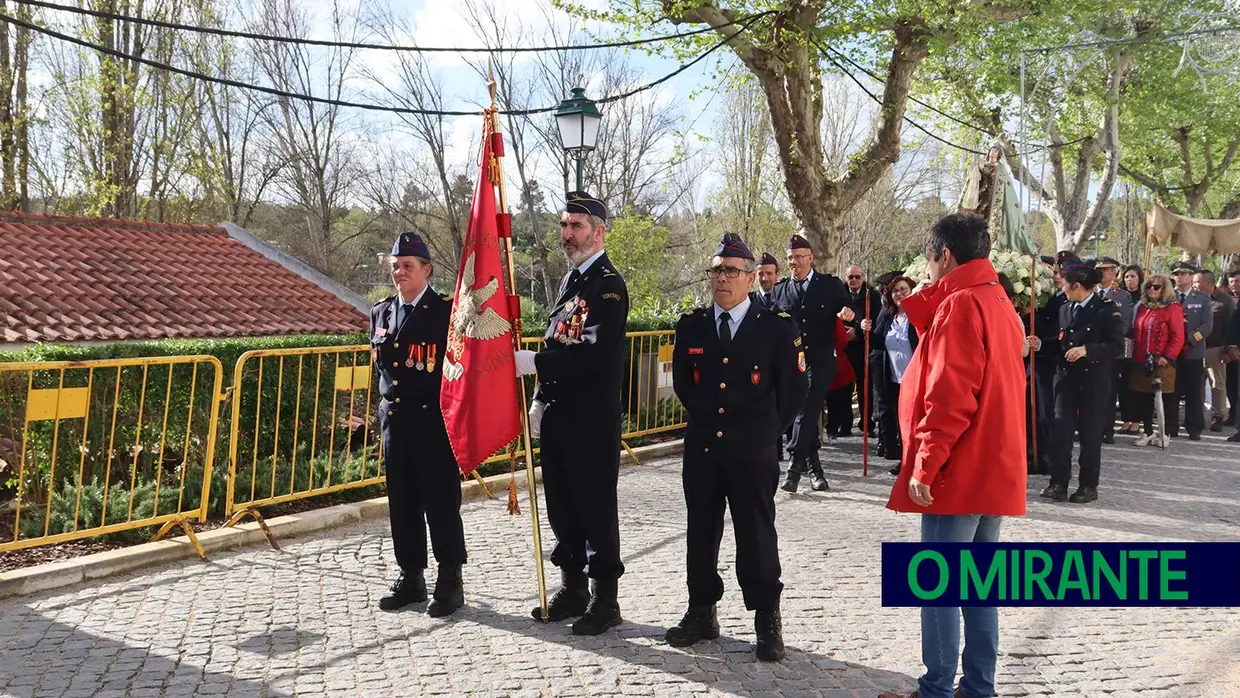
(1075, 264)
(768, 258)
(799, 243)
(1184, 266)
(1109, 263)
(581, 202)
(733, 246)
(410, 245)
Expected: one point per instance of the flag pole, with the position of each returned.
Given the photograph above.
(1033, 358)
(510, 269)
(865, 399)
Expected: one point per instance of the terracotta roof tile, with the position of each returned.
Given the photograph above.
(67, 279)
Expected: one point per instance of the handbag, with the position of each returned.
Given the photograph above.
(1141, 379)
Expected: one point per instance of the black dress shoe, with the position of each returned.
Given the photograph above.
(769, 628)
(1108, 439)
(570, 601)
(894, 470)
(604, 609)
(700, 623)
(1234, 437)
(1059, 493)
(846, 434)
(449, 592)
(1194, 437)
(791, 479)
(1084, 495)
(410, 588)
(819, 481)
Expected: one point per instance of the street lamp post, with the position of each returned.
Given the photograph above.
(578, 119)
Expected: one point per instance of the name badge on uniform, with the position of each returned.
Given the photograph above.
(694, 351)
(380, 332)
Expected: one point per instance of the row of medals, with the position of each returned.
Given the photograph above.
(416, 354)
(571, 331)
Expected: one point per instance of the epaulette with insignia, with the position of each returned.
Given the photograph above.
(784, 315)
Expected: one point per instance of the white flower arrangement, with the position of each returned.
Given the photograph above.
(1017, 267)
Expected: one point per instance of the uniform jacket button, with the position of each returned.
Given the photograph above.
(395, 364)
(397, 401)
(725, 359)
(389, 412)
(719, 434)
(424, 406)
(720, 410)
(396, 345)
(705, 450)
(723, 385)
(395, 382)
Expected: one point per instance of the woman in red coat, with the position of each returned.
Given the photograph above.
(1158, 337)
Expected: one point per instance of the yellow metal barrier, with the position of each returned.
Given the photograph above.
(97, 447)
(301, 426)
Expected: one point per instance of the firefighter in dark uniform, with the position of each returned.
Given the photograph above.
(813, 300)
(408, 333)
(577, 414)
(1048, 358)
(1091, 337)
(740, 372)
(768, 275)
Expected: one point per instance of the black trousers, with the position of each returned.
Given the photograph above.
(1132, 406)
(839, 410)
(1044, 380)
(887, 413)
(1111, 407)
(424, 488)
(1079, 399)
(581, 470)
(805, 442)
(1190, 386)
(746, 486)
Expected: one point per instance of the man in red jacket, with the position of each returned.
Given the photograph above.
(963, 424)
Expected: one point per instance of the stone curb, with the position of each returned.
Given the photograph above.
(63, 573)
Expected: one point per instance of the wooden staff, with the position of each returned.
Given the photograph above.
(865, 399)
(502, 206)
(1033, 375)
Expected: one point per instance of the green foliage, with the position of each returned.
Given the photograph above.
(636, 247)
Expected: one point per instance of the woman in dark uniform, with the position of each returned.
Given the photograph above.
(1091, 336)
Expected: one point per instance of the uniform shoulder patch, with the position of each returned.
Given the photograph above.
(611, 296)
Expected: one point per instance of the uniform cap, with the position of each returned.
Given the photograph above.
(1184, 266)
(799, 243)
(768, 258)
(1047, 260)
(733, 246)
(410, 245)
(1108, 263)
(1066, 257)
(581, 202)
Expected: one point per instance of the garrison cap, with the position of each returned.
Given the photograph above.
(798, 242)
(768, 258)
(410, 245)
(733, 246)
(581, 202)
(1184, 267)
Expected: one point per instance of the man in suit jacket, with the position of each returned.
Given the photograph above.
(1190, 367)
(814, 300)
(861, 295)
(1221, 306)
(1109, 290)
(577, 414)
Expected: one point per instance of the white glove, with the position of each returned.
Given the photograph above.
(536, 415)
(525, 362)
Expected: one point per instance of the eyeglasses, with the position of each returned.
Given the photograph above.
(1154, 287)
(853, 276)
(730, 272)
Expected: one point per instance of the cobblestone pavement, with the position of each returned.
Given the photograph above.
(304, 621)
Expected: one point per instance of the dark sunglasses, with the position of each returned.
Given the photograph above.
(853, 276)
(1154, 287)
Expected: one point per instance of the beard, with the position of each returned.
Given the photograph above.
(576, 254)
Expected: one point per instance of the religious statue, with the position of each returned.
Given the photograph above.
(990, 192)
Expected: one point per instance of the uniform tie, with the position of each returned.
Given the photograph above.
(725, 329)
(405, 309)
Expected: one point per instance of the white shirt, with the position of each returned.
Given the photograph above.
(735, 315)
(806, 280)
(586, 264)
(400, 308)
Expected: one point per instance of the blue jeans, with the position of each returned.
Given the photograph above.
(940, 627)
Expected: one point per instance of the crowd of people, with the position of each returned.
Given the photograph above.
(950, 365)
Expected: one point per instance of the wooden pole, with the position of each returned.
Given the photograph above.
(510, 271)
(865, 399)
(1033, 357)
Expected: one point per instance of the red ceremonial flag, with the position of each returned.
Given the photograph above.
(479, 395)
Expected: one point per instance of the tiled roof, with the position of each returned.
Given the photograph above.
(74, 279)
